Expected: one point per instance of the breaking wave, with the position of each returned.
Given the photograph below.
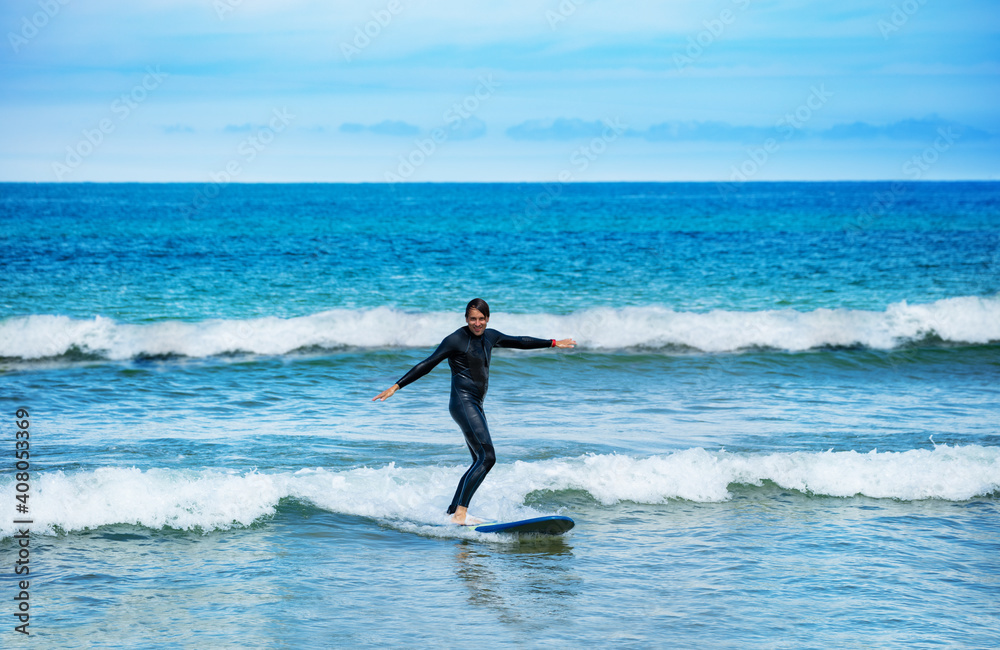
(964, 320)
(210, 499)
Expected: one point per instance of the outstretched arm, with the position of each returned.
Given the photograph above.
(443, 351)
(530, 342)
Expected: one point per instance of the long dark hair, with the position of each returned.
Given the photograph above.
(478, 304)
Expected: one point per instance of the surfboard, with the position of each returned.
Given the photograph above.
(552, 525)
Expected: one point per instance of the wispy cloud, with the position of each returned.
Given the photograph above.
(386, 127)
(558, 129)
(705, 131)
(470, 128)
(911, 129)
(751, 62)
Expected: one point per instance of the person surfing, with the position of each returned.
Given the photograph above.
(468, 351)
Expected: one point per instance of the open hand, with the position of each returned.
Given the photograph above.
(387, 393)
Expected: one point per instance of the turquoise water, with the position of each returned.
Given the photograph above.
(779, 429)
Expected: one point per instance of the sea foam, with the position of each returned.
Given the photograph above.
(964, 320)
(210, 499)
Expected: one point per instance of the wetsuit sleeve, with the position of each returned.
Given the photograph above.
(521, 342)
(445, 350)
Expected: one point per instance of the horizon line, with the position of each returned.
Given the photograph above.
(533, 182)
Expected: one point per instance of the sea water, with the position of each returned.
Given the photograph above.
(780, 426)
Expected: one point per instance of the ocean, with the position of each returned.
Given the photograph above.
(780, 427)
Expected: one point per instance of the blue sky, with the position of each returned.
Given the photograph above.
(572, 90)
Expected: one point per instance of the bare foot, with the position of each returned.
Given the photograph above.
(461, 518)
(472, 521)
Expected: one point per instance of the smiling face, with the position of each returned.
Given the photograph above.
(476, 321)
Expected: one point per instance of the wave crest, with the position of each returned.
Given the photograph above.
(217, 500)
(964, 320)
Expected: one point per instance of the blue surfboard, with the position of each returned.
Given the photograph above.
(552, 525)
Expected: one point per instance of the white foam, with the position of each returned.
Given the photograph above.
(215, 500)
(40, 336)
(949, 473)
(961, 320)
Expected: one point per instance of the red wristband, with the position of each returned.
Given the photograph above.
(553, 343)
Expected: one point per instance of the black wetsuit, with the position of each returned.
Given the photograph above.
(469, 358)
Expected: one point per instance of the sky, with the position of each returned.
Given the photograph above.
(555, 90)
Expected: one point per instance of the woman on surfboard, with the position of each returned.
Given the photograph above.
(468, 350)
